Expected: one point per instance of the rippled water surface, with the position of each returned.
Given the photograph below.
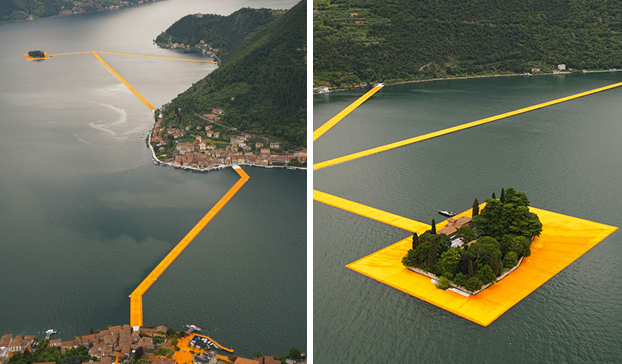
(566, 157)
(85, 215)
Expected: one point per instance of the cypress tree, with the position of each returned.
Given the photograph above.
(432, 257)
(433, 230)
(415, 240)
(475, 211)
(493, 196)
(502, 197)
(470, 268)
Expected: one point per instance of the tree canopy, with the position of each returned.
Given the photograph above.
(390, 41)
(503, 234)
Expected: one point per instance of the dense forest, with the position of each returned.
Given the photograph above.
(260, 87)
(11, 10)
(370, 41)
(227, 33)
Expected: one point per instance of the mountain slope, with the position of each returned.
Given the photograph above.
(225, 33)
(261, 87)
(360, 40)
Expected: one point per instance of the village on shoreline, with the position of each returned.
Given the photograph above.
(534, 72)
(216, 146)
(121, 344)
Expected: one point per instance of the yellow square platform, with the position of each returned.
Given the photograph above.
(563, 240)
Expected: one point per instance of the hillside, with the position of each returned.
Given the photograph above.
(260, 87)
(358, 40)
(11, 10)
(225, 33)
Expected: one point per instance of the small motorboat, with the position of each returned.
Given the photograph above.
(446, 213)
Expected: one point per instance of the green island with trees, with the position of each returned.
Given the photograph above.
(472, 252)
(357, 41)
(36, 54)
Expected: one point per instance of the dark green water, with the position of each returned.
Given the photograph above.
(566, 157)
(85, 215)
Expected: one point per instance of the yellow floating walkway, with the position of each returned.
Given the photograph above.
(563, 240)
(65, 54)
(435, 134)
(140, 97)
(141, 55)
(136, 298)
(370, 212)
(343, 113)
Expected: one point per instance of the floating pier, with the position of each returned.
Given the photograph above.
(343, 113)
(136, 298)
(370, 212)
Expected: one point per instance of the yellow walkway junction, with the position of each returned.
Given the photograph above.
(136, 301)
(563, 240)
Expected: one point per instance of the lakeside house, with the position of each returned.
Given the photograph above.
(452, 226)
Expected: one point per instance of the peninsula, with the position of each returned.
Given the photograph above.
(257, 90)
(470, 254)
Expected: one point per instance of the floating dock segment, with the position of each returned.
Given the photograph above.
(563, 240)
(140, 97)
(343, 113)
(65, 54)
(370, 212)
(136, 298)
(141, 55)
(435, 134)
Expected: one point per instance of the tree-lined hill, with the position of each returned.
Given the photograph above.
(362, 40)
(11, 10)
(225, 33)
(260, 86)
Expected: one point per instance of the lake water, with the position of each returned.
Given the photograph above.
(566, 158)
(85, 215)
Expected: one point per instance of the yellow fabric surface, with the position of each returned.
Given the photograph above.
(563, 240)
(370, 212)
(343, 113)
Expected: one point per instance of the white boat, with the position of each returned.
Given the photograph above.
(446, 213)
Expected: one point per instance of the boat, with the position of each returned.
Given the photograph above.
(50, 332)
(446, 213)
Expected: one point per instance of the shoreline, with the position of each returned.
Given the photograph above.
(158, 162)
(85, 12)
(475, 77)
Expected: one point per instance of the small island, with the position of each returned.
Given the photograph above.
(470, 254)
(36, 55)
